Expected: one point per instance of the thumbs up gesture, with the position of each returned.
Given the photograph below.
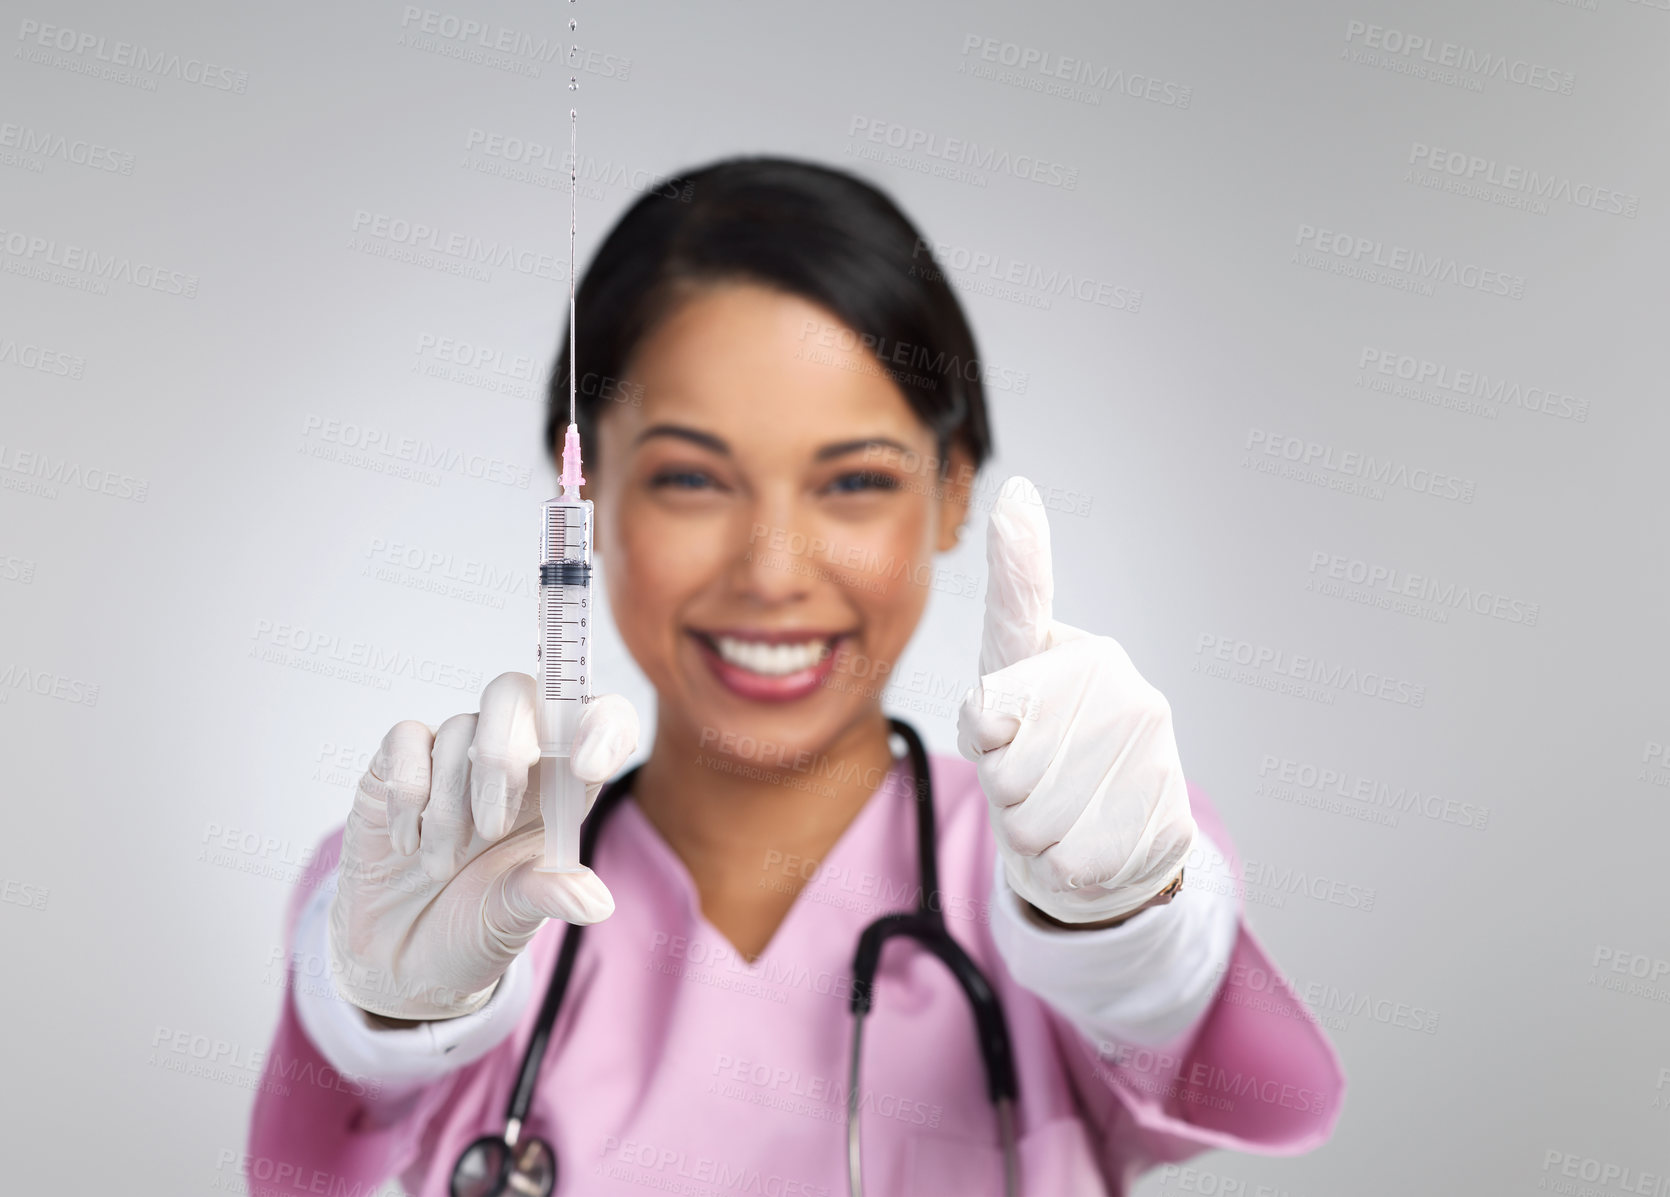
(1074, 748)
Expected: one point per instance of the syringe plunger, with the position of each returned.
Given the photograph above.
(562, 805)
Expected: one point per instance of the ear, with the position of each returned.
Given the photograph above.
(954, 489)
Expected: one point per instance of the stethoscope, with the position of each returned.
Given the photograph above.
(509, 1163)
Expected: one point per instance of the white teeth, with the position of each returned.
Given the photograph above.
(771, 660)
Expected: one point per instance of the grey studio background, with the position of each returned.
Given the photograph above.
(1334, 334)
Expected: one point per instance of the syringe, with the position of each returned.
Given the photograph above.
(564, 649)
(564, 608)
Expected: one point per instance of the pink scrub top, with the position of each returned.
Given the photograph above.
(677, 1066)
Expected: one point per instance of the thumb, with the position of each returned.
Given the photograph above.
(1020, 585)
(530, 895)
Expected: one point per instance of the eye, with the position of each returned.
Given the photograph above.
(680, 480)
(862, 480)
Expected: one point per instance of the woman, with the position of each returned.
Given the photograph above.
(770, 494)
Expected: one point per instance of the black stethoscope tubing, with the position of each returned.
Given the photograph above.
(925, 925)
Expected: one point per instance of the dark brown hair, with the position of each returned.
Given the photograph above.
(806, 229)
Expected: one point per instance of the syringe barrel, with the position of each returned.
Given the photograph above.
(564, 621)
(564, 680)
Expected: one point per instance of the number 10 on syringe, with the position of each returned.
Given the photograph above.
(564, 651)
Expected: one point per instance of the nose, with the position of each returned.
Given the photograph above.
(777, 563)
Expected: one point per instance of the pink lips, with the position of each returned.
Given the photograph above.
(745, 683)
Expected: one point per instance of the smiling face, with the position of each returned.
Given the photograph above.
(768, 518)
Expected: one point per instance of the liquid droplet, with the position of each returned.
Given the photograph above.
(573, 24)
(573, 85)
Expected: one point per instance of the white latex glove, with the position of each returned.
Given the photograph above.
(1074, 748)
(433, 898)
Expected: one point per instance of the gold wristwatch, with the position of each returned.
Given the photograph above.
(1168, 893)
(1159, 899)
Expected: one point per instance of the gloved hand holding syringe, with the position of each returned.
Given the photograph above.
(446, 805)
(443, 877)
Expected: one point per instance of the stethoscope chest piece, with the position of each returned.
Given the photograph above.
(491, 1166)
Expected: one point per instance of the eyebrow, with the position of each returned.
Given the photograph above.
(680, 432)
(842, 448)
(717, 444)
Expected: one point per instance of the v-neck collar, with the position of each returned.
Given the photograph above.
(880, 798)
